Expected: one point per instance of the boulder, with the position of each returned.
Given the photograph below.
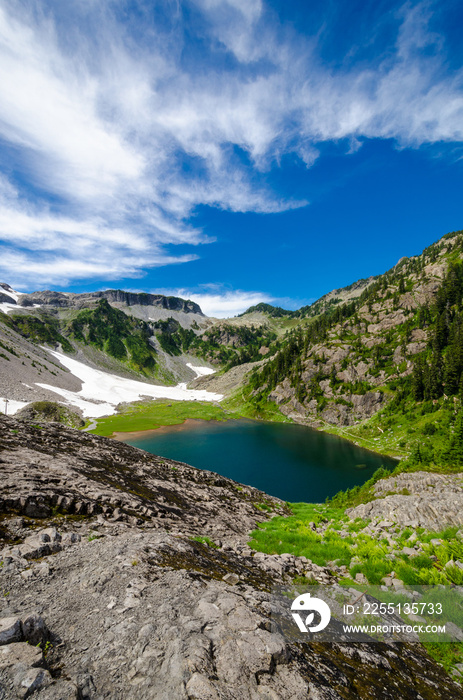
(10, 630)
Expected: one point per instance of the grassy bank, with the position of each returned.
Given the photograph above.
(149, 415)
(239, 404)
(153, 414)
(396, 434)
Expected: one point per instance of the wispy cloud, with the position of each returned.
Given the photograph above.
(112, 137)
(218, 302)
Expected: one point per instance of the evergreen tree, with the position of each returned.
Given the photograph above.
(454, 452)
(418, 378)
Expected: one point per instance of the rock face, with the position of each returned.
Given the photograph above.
(419, 499)
(65, 300)
(133, 574)
(359, 407)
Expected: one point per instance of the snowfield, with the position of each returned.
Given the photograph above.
(11, 407)
(200, 371)
(101, 392)
(5, 306)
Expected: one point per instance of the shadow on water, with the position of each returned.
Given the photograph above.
(292, 462)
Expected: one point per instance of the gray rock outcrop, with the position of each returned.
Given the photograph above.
(418, 499)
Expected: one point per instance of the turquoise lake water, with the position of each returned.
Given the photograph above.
(290, 461)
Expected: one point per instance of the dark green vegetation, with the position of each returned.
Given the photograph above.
(39, 329)
(120, 336)
(223, 344)
(309, 311)
(272, 311)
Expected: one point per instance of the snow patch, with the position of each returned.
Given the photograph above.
(10, 292)
(89, 409)
(200, 371)
(5, 307)
(11, 407)
(101, 392)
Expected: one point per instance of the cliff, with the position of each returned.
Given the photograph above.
(69, 300)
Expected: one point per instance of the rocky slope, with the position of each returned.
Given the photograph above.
(24, 364)
(347, 362)
(418, 500)
(100, 566)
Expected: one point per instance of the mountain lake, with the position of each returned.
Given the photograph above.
(292, 462)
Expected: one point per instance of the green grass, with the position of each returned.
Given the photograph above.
(448, 655)
(264, 410)
(149, 416)
(294, 535)
(374, 569)
(367, 554)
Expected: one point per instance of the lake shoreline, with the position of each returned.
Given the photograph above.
(147, 418)
(290, 461)
(194, 423)
(186, 424)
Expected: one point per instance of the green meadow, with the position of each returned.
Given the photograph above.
(150, 415)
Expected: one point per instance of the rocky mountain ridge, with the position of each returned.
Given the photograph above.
(353, 357)
(337, 363)
(116, 296)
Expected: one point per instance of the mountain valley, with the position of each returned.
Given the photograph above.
(148, 578)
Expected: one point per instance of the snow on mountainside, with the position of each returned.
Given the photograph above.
(8, 297)
(34, 366)
(101, 392)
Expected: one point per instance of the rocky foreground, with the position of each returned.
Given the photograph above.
(100, 567)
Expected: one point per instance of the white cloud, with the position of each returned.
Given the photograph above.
(218, 302)
(119, 139)
(49, 107)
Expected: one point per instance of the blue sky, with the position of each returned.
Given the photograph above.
(230, 151)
